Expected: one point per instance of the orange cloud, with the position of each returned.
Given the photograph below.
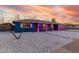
(62, 13)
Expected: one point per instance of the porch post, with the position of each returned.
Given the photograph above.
(46, 27)
(38, 27)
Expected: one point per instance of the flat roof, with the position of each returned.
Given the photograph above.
(33, 21)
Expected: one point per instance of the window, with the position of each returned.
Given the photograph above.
(44, 26)
(25, 25)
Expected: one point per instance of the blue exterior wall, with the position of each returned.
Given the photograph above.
(31, 29)
(19, 29)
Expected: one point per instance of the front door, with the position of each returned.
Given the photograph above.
(35, 26)
(55, 26)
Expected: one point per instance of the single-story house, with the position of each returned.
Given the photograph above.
(31, 25)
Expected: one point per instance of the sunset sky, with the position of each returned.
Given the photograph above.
(62, 13)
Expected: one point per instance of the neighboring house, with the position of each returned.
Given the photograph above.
(72, 26)
(6, 27)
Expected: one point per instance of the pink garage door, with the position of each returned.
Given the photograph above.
(61, 27)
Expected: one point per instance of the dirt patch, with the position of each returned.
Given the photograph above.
(73, 46)
(62, 50)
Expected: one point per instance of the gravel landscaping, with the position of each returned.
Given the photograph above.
(37, 42)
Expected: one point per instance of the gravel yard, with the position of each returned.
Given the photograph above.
(37, 42)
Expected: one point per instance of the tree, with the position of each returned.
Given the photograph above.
(2, 17)
(17, 16)
(54, 20)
